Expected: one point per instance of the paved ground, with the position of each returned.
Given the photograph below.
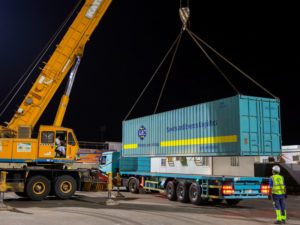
(85, 209)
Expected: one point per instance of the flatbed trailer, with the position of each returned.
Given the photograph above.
(186, 187)
(192, 188)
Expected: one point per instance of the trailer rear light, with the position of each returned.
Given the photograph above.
(265, 189)
(227, 190)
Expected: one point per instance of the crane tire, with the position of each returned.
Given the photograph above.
(65, 187)
(38, 188)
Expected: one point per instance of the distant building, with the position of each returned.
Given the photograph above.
(290, 154)
(114, 146)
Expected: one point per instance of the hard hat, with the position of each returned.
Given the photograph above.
(276, 169)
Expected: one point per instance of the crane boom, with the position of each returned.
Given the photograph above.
(55, 70)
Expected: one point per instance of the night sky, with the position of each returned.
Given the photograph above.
(129, 44)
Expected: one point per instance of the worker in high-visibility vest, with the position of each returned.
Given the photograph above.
(278, 191)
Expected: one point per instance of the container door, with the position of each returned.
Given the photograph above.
(270, 128)
(260, 126)
(250, 126)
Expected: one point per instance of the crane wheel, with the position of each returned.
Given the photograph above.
(65, 187)
(38, 188)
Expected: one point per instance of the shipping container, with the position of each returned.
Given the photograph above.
(138, 164)
(235, 126)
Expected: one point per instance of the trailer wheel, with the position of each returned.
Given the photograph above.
(195, 194)
(232, 202)
(38, 188)
(22, 194)
(65, 186)
(171, 191)
(182, 192)
(133, 185)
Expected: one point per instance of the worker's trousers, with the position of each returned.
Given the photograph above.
(279, 203)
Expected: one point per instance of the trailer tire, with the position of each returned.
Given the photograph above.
(195, 194)
(38, 188)
(182, 191)
(133, 185)
(171, 191)
(232, 202)
(65, 187)
(22, 194)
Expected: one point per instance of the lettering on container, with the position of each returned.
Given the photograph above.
(149, 145)
(185, 126)
(24, 147)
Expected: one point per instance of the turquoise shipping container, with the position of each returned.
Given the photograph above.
(135, 164)
(111, 163)
(235, 126)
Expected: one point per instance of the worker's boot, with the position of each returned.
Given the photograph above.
(283, 222)
(278, 217)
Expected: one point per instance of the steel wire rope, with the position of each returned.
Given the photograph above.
(169, 70)
(36, 61)
(234, 66)
(153, 75)
(187, 3)
(214, 64)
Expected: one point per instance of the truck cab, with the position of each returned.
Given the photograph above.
(109, 162)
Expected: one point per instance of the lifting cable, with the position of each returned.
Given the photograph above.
(212, 62)
(167, 75)
(161, 63)
(184, 16)
(36, 61)
(231, 64)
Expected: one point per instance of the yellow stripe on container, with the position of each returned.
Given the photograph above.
(130, 146)
(200, 141)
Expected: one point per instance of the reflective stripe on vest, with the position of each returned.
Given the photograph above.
(278, 185)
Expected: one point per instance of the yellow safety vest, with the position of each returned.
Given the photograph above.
(278, 185)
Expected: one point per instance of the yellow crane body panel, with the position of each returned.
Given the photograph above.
(18, 150)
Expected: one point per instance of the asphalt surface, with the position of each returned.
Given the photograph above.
(138, 209)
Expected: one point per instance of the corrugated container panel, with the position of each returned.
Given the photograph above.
(239, 125)
(134, 164)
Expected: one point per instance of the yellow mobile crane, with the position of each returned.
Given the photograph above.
(16, 143)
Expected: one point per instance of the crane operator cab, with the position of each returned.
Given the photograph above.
(57, 143)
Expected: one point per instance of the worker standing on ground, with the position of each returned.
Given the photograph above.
(278, 191)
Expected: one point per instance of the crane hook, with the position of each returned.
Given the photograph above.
(184, 13)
